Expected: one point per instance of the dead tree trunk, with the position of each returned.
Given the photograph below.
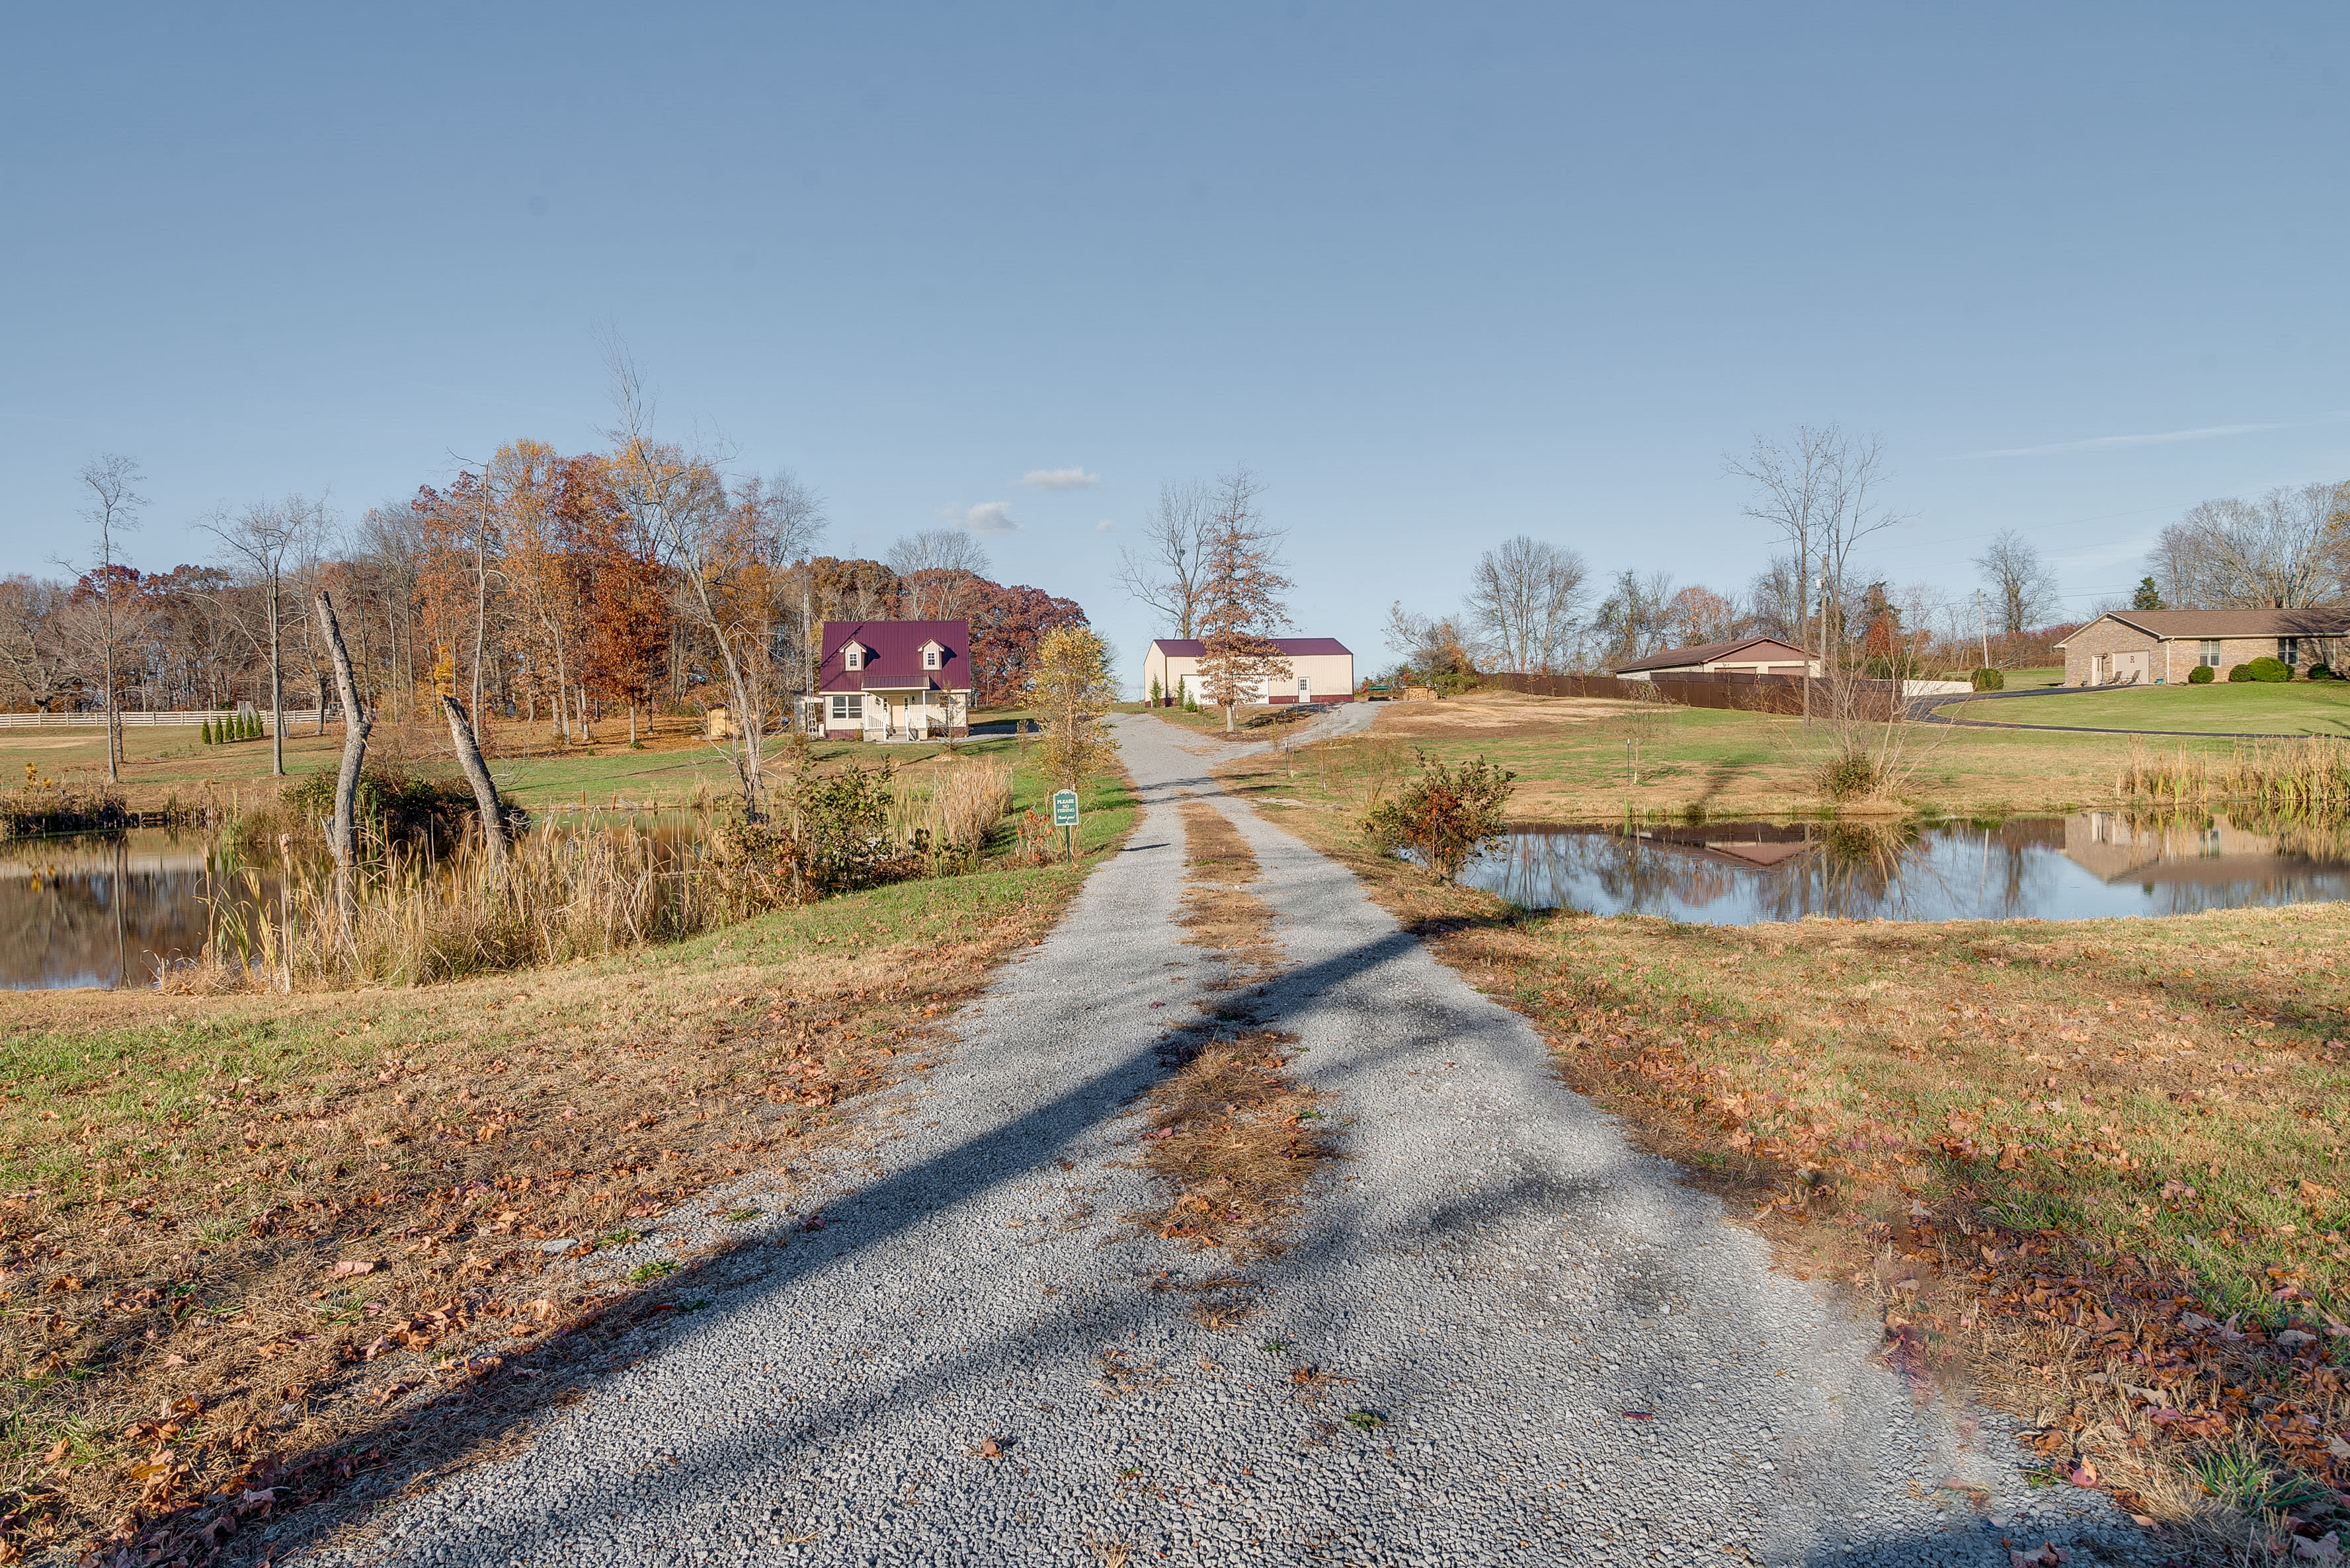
(355, 726)
(477, 774)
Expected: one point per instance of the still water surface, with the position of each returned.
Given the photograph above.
(2076, 867)
(116, 911)
(105, 910)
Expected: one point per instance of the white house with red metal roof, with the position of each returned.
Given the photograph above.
(1321, 669)
(894, 680)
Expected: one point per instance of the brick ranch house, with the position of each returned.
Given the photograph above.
(892, 681)
(2158, 648)
(1321, 669)
(1745, 655)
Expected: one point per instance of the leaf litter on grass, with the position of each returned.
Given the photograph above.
(306, 1217)
(2089, 1172)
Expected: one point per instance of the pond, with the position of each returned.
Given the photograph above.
(105, 911)
(117, 910)
(2076, 867)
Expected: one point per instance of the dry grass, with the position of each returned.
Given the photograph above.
(255, 1242)
(1489, 714)
(1235, 1139)
(2090, 1172)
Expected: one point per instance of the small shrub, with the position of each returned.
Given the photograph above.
(208, 733)
(2321, 671)
(2200, 676)
(1445, 816)
(1850, 775)
(2239, 672)
(2271, 670)
(1988, 680)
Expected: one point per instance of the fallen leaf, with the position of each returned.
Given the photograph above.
(989, 1448)
(349, 1268)
(59, 1453)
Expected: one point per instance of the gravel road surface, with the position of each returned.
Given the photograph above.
(1539, 1347)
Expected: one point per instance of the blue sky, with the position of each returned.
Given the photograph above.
(1440, 273)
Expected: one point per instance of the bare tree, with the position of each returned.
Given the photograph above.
(782, 521)
(938, 566)
(111, 511)
(2285, 551)
(1522, 598)
(357, 726)
(477, 774)
(1817, 489)
(30, 644)
(677, 495)
(261, 542)
(1169, 572)
(1636, 617)
(2022, 589)
(391, 540)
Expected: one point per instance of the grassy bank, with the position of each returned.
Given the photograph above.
(1586, 759)
(672, 765)
(283, 1242)
(2093, 1171)
(2248, 707)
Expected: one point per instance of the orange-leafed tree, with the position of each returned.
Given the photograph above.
(627, 620)
(1242, 598)
(525, 485)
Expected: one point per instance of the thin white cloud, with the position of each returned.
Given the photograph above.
(2158, 438)
(1070, 478)
(1104, 526)
(987, 517)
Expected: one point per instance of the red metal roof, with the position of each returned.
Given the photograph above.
(1295, 647)
(893, 656)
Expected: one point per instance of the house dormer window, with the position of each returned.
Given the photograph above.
(930, 656)
(852, 657)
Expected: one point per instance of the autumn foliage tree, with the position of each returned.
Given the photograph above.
(1071, 686)
(1241, 599)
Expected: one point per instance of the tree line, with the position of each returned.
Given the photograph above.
(1532, 609)
(557, 588)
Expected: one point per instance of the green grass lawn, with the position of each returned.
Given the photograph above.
(1580, 759)
(672, 767)
(2299, 708)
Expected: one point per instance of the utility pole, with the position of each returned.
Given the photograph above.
(1982, 623)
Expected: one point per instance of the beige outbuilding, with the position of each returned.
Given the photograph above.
(2162, 648)
(1321, 669)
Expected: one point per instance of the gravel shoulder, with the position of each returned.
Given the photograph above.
(1524, 1342)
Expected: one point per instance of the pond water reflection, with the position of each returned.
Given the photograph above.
(105, 910)
(2080, 866)
(119, 911)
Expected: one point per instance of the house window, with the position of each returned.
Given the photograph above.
(931, 658)
(2211, 651)
(853, 657)
(846, 706)
(2289, 650)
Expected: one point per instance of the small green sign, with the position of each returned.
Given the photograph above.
(1065, 808)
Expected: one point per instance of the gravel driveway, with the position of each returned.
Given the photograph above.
(1541, 1348)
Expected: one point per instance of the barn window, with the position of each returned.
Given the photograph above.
(853, 657)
